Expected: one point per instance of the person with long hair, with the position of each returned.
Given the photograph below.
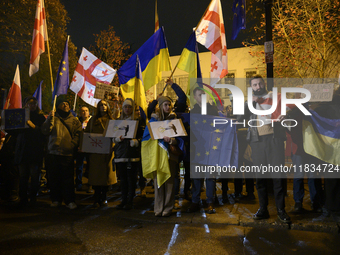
(127, 157)
(166, 166)
(101, 174)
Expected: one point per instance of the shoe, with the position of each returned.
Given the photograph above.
(128, 206)
(158, 214)
(283, 216)
(71, 206)
(176, 205)
(231, 199)
(261, 214)
(225, 200)
(194, 207)
(103, 203)
(211, 209)
(55, 204)
(166, 214)
(316, 208)
(298, 207)
(79, 187)
(89, 190)
(325, 214)
(249, 197)
(143, 193)
(120, 206)
(96, 205)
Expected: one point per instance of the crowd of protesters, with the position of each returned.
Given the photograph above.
(55, 141)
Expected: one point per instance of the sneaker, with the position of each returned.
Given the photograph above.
(166, 214)
(89, 190)
(261, 214)
(211, 209)
(71, 205)
(298, 207)
(283, 216)
(55, 204)
(176, 205)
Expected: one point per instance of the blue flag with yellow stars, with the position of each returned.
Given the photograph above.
(239, 19)
(62, 82)
(212, 145)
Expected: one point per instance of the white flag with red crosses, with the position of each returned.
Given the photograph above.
(211, 34)
(90, 70)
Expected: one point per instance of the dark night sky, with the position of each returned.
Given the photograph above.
(133, 21)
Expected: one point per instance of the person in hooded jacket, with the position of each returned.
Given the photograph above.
(63, 130)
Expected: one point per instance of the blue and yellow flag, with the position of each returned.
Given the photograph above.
(154, 58)
(189, 60)
(38, 95)
(155, 157)
(62, 82)
(321, 137)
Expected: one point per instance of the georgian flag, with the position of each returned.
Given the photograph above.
(90, 70)
(39, 37)
(211, 34)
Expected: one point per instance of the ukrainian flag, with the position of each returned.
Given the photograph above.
(155, 157)
(154, 58)
(321, 137)
(189, 60)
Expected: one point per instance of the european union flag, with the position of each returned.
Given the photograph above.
(38, 95)
(62, 82)
(239, 20)
(212, 146)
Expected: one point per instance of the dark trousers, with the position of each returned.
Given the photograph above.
(100, 193)
(128, 175)
(80, 166)
(187, 180)
(269, 151)
(142, 179)
(61, 178)
(27, 170)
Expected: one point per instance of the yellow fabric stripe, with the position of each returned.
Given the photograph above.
(134, 89)
(320, 146)
(154, 158)
(188, 63)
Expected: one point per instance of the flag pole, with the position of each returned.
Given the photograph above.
(49, 55)
(195, 31)
(75, 101)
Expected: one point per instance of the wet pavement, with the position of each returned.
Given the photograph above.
(41, 229)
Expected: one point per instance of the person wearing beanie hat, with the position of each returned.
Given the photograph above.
(63, 130)
(127, 157)
(29, 151)
(165, 194)
(101, 174)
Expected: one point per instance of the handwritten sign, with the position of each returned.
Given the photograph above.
(124, 128)
(320, 92)
(169, 128)
(106, 92)
(95, 143)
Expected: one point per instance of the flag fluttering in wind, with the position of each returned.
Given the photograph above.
(90, 70)
(38, 95)
(239, 19)
(321, 137)
(154, 58)
(62, 81)
(189, 60)
(13, 100)
(39, 37)
(156, 18)
(211, 34)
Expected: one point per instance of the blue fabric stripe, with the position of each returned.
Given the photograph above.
(324, 126)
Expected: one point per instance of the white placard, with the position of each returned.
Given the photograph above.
(169, 128)
(124, 128)
(95, 143)
(320, 92)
